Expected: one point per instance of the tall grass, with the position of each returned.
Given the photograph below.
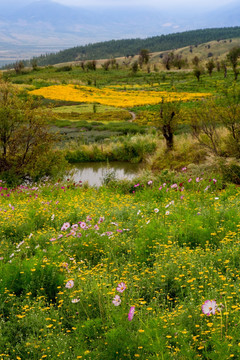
(128, 148)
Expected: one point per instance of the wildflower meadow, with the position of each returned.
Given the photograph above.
(138, 270)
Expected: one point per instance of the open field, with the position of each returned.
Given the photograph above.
(171, 243)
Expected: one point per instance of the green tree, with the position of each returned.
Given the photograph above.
(26, 145)
(178, 61)
(168, 60)
(229, 115)
(134, 67)
(210, 65)
(197, 71)
(106, 65)
(232, 57)
(18, 67)
(196, 61)
(224, 67)
(144, 56)
(204, 122)
(34, 64)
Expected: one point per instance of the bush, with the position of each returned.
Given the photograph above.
(26, 145)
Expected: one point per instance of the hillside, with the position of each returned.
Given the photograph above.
(130, 47)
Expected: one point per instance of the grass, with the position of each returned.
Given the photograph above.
(85, 108)
(173, 249)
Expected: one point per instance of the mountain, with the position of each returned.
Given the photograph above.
(44, 26)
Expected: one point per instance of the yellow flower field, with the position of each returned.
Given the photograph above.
(107, 96)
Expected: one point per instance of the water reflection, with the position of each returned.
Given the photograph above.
(94, 173)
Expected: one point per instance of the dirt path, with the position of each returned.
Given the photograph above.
(133, 116)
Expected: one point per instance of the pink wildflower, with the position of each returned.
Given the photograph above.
(75, 227)
(121, 287)
(131, 313)
(209, 307)
(69, 284)
(65, 226)
(117, 300)
(74, 301)
(83, 225)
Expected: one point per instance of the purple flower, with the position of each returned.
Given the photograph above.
(121, 287)
(131, 313)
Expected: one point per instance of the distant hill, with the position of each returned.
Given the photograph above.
(131, 47)
(30, 29)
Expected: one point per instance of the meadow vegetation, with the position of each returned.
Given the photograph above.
(123, 279)
(141, 269)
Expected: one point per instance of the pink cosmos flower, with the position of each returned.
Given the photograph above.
(156, 210)
(150, 182)
(101, 219)
(75, 227)
(214, 181)
(121, 287)
(131, 313)
(74, 301)
(209, 307)
(69, 284)
(83, 225)
(72, 233)
(65, 226)
(116, 301)
(96, 227)
(189, 180)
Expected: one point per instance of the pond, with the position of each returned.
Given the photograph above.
(95, 173)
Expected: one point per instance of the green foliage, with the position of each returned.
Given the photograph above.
(64, 68)
(133, 149)
(233, 56)
(25, 143)
(231, 172)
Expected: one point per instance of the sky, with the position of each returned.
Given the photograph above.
(203, 4)
(148, 3)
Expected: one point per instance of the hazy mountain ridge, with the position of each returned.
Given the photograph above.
(45, 26)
